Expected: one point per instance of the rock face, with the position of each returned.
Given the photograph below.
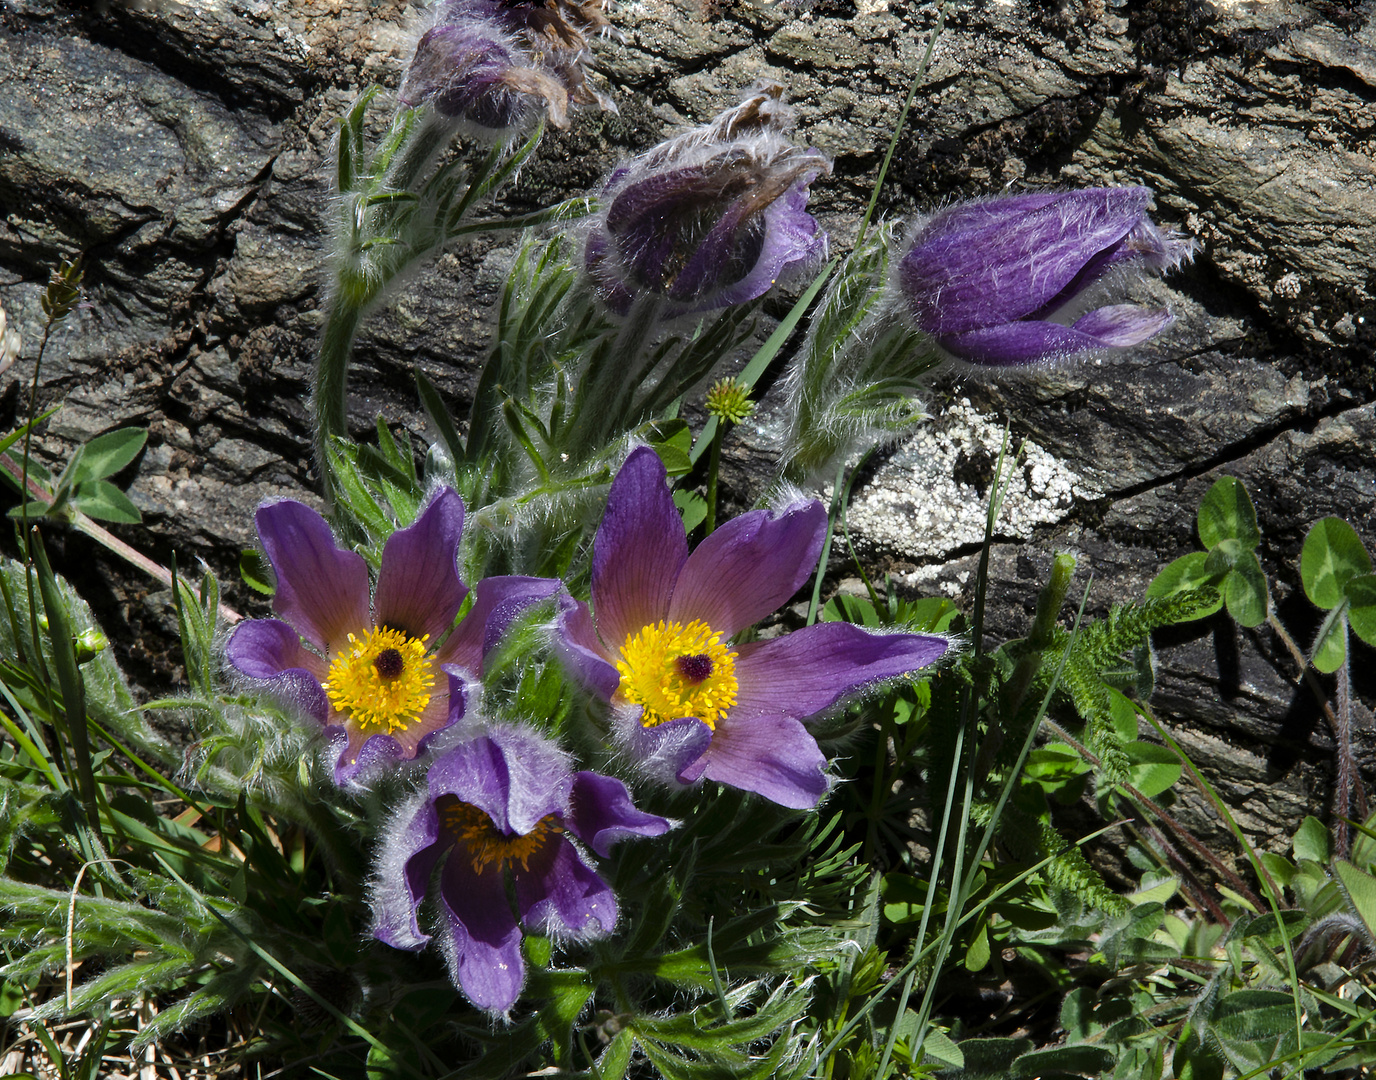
(184, 149)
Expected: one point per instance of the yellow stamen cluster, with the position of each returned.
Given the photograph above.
(472, 829)
(382, 680)
(672, 670)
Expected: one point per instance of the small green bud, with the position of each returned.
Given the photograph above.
(90, 644)
(728, 400)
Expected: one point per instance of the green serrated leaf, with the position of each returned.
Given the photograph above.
(1246, 593)
(101, 500)
(1332, 556)
(107, 454)
(1227, 513)
(1361, 611)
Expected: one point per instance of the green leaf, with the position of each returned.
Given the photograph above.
(939, 1047)
(1330, 644)
(1361, 890)
(1254, 1016)
(692, 507)
(1153, 769)
(672, 440)
(1226, 513)
(1246, 593)
(978, 955)
(1076, 1060)
(1185, 573)
(101, 500)
(1361, 613)
(845, 607)
(1312, 841)
(107, 454)
(990, 1059)
(256, 571)
(1332, 556)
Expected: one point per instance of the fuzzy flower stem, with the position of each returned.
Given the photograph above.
(331, 395)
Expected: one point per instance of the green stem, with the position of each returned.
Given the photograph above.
(331, 397)
(713, 469)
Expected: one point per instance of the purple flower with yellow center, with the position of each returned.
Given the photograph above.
(504, 805)
(687, 703)
(712, 218)
(376, 669)
(996, 282)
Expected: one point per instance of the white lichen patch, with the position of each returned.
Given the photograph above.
(929, 501)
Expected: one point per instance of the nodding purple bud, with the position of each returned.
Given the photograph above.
(711, 218)
(493, 64)
(995, 282)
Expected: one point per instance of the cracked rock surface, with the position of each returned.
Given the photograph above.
(183, 148)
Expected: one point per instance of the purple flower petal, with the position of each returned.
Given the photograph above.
(270, 651)
(483, 946)
(670, 752)
(749, 567)
(639, 549)
(771, 755)
(960, 275)
(405, 862)
(322, 590)
(512, 775)
(497, 602)
(361, 752)
(558, 893)
(793, 241)
(601, 813)
(418, 589)
(1021, 343)
(813, 669)
(581, 651)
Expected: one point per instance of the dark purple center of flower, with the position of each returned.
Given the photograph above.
(389, 664)
(694, 667)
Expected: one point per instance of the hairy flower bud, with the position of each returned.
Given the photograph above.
(989, 279)
(711, 218)
(492, 65)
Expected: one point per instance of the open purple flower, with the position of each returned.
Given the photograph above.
(988, 279)
(688, 704)
(711, 218)
(502, 804)
(370, 667)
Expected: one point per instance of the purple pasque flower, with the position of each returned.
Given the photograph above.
(369, 665)
(988, 279)
(491, 65)
(687, 703)
(711, 218)
(502, 804)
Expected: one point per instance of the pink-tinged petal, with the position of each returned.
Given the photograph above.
(558, 894)
(793, 242)
(580, 650)
(406, 857)
(808, 672)
(362, 752)
(418, 588)
(638, 552)
(322, 590)
(1032, 342)
(497, 602)
(749, 567)
(270, 653)
(483, 946)
(771, 755)
(601, 813)
(670, 752)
